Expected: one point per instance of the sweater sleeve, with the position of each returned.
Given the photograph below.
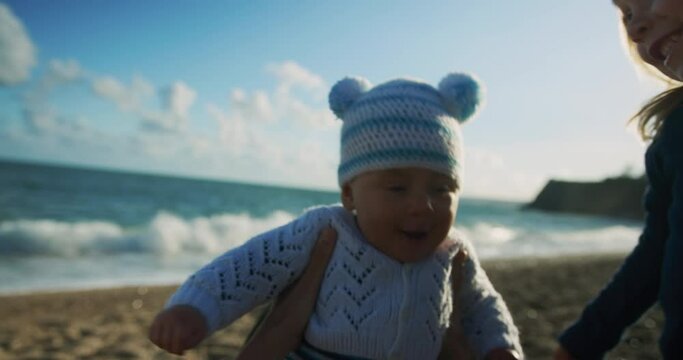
(636, 285)
(253, 273)
(671, 290)
(486, 320)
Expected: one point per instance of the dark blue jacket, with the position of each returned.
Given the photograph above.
(654, 270)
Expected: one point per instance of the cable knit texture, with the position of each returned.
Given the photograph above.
(369, 305)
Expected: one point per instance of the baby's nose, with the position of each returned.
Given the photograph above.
(421, 202)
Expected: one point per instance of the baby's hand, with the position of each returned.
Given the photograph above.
(454, 344)
(178, 328)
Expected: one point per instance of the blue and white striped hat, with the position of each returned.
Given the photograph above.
(403, 123)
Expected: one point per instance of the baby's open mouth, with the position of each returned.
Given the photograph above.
(415, 235)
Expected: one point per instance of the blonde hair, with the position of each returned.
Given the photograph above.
(651, 116)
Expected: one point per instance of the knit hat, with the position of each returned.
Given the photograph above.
(403, 123)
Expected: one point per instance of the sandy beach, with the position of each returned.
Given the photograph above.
(544, 296)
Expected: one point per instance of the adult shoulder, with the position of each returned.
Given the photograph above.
(670, 143)
(672, 129)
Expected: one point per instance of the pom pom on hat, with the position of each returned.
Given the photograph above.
(345, 92)
(461, 95)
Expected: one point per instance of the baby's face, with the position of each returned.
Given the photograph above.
(405, 213)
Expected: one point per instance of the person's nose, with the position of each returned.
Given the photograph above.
(666, 7)
(421, 202)
(638, 27)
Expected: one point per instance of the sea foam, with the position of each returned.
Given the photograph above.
(506, 241)
(166, 234)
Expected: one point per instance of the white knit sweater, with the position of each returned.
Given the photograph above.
(369, 305)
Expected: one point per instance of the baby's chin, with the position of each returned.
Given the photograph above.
(407, 256)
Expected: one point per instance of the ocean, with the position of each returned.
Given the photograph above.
(67, 228)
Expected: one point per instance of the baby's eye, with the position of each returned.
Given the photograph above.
(626, 16)
(396, 188)
(443, 189)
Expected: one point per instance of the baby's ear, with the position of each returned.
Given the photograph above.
(462, 95)
(345, 92)
(347, 197)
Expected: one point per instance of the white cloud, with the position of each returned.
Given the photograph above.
(38, 115)
(108, 87)
(154, 145)
(258, 134)
(200, 146)
(232, 131)
(484, 157)
(127, 98)
(58, 73)
(304, 108)
(43, 121)
(309, 163)
(293, 146)
(293, 109)
(44, 127)
(290, 74)
(17, 52)
(62, 71)
(159, 121)
(241, 131)
(177, 99)
(174, 148)
(488, 174)
(252, 108)
(320, 163)
(39, 122)
(48, 126)
(269, 154)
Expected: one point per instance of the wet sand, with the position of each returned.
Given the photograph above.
(544, 295)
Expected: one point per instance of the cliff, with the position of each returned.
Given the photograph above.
(614, 197)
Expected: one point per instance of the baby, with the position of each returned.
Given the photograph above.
(386, 291)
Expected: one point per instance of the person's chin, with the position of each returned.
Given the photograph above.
(673, 67)
(678, 74)
(673, 72)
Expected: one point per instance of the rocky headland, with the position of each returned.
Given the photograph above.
(620, 197)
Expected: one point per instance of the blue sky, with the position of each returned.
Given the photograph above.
(237, 90)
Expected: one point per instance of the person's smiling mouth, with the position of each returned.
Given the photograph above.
(662, 47)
